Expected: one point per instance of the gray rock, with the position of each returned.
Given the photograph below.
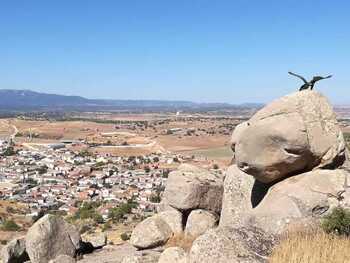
(174, 219)
(199, 221)
(15, 251)
(63, 259)
(97, 240)
(151, 232)
(146, 256)
(298, 132)
(164, 206)
(191, 187)
(222, 245)
(110, 254)
(299, 200)
(238, 131)
(50, 237)
(173, 255)
(237, 199)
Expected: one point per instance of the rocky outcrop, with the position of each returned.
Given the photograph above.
(174, 219)
(149, 256)
(289, 172)
(293, 134)
(97, 240)
(235, 245)
(237, 198)
(190, 188)
(50, 237)
(200, 221)
(15, 251)
(192, 200)
(63, 259)
(151, 232)
(164, 206)
(299, 199)
(239, 129)
(173, 255)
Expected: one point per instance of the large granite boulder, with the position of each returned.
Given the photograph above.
(63, 259)
(237, 200)
(173, 255)
(15, 251)
(299, 200)
(199, 221)
(296, 133)
(234, 245)
(238, 131)
(191, 187)
(164, 206)
(97, 240)
(174, 219)
(151, 232)
(144, 256)
(50, 237)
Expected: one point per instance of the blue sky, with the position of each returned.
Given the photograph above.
(206, 51)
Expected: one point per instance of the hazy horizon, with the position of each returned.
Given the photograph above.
(227, 52)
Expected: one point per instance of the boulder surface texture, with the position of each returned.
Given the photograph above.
(50, 237)
(191, 187)
(151, 232)
(294, 134)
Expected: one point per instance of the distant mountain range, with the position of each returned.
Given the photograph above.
(31, 100)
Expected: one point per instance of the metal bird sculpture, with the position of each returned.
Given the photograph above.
(309, 84)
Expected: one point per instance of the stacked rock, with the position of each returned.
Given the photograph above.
(190, 206)
(290, 169)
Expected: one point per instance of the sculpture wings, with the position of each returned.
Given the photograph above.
(309, 84)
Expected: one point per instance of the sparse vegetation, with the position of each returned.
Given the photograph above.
(88, 210)
(337, 222)
(180, 240)
(106, 226)
(118, 213)
(314, 246)
(9, 151)
(155, 198)
(10, 225)
(125, 236)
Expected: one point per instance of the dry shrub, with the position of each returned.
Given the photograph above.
(311, 246)
(180, 240)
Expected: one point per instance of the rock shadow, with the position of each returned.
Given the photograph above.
(259, 191)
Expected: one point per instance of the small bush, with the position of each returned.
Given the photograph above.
(337, 222)
(10, 225)
(125, 236)
(3, 242)
(98, 218)
(106, 226)
(155, 198)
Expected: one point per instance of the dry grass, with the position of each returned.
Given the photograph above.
(180, 240)
(313, 246)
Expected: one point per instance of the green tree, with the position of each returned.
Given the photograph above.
(117, 213)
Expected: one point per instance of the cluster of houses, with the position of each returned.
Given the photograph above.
(59, 178)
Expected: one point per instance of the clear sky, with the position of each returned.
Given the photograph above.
(207, 50)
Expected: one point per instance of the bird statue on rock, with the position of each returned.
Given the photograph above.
(309, 84)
